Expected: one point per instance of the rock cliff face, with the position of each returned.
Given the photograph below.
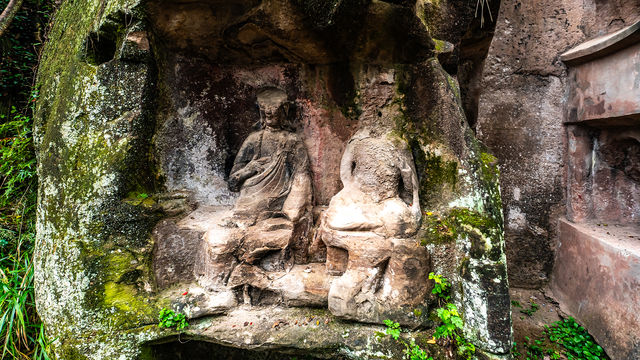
(204, 156)
(521, 113)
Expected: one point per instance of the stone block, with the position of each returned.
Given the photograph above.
(597, 280)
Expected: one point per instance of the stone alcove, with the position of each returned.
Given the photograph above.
(599, 239)
(213, 78)
(156, 128)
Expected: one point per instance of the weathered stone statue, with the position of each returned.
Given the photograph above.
(380, 191)
(267, 227)
(271, 170)
(162, 194)
(368, 231)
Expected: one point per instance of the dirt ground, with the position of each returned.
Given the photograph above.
(530, 323)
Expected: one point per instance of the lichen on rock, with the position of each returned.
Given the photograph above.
(140, 119)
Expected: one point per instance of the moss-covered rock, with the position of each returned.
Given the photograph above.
(460, 196)
(93, 136)
(96, 122)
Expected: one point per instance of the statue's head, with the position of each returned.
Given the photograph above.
(274, 107)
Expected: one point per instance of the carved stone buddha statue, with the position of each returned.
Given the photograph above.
(380, 191)
(272, 213)
(271, 170)
(368, 230)
(375, 268)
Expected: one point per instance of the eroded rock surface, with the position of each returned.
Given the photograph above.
(369, 229)
(158, 190)
(521, 112)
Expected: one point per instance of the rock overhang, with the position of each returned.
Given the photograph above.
(108, 266)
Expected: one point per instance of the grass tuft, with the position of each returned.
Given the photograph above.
(21, 331)
(22, 335)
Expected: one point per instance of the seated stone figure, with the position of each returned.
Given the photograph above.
(368, 229)
(271, 170)
(267, 227)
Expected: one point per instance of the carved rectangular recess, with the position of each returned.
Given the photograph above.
(599, 245)
(603, 129)
(604, 80)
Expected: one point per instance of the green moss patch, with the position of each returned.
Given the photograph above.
(445, 228)
(435, 174)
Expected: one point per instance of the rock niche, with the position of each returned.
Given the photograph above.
(285, 173)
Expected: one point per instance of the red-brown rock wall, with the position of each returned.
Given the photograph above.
(521, 114)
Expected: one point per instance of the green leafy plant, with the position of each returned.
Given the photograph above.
(452, 324)
(22, 334)
(563, 340)
(17, 162)
(514, 350)
(451, 321)
(464, 348)
(451, 330)
(169, 319)
(575, 340)
(533, 307)
(143, 196)
(535, 349)
(393, 329)
(412, 351)
(441, 286)
(21, 331)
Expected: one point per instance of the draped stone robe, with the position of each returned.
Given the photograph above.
(271, 171)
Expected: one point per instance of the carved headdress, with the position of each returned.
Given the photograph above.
(273, 97)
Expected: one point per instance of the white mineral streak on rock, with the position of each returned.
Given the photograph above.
(190, 167)
(516, 220)
(475, 307)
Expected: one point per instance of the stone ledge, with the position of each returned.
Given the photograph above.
(604, 84)
(310, 332)
(597, 280)
(602, 46)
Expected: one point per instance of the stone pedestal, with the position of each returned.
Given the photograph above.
(597, 280)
